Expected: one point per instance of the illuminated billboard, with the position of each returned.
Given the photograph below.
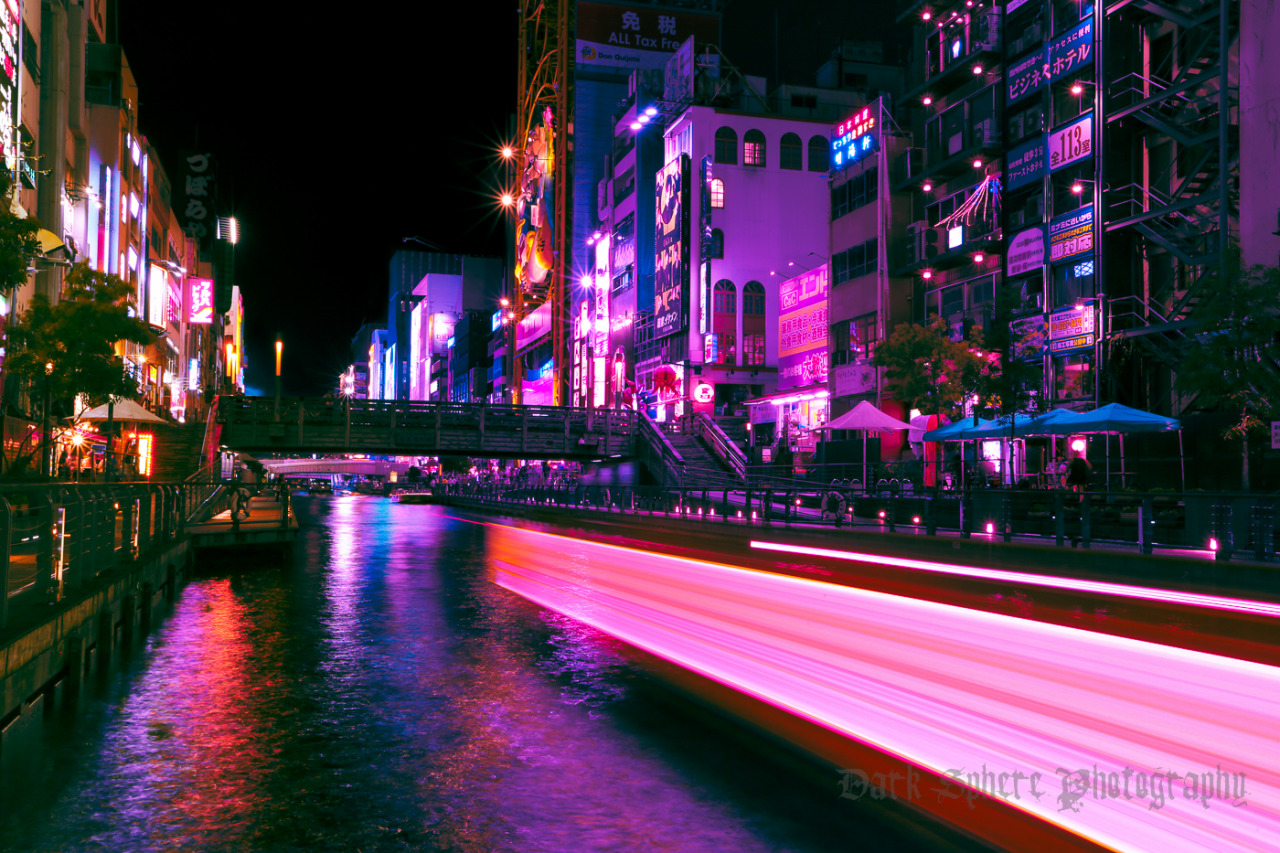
(671, 242)
(855, 137)
(200, 300)
(639, 36)
(802, 329)
(157, 295)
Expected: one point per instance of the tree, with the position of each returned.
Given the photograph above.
(1235, 366)
(69, 348)
(18, 243)
(933, 373)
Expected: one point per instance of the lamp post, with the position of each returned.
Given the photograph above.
(279, 355)
(46, 439)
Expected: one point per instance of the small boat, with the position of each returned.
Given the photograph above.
(402, 496)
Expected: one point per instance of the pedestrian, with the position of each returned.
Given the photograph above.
(1078, 471)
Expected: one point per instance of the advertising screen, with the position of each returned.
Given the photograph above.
(670, 275)
(157, 295)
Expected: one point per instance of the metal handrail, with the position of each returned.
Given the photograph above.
(730, 453)
(671, 462)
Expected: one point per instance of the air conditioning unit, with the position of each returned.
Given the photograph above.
(922, 243)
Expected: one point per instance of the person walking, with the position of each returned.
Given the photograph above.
(1078, 471)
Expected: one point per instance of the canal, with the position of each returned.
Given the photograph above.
(381, 693)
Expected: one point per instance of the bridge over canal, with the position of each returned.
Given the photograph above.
(258, 424)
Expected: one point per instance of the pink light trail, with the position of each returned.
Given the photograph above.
(1167, 596)
(946, 687)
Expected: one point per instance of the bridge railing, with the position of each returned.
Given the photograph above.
(464, 429)
(724, 447)
(57, 538)
(1221, 526)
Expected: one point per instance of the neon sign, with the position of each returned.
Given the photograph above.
(855, 137)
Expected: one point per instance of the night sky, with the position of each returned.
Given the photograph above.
(340, 135)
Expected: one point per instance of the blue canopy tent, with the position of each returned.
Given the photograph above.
(1118, 419)
(958, 431)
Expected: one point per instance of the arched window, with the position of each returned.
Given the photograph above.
(791, 152)
(717, 243)
(717, 192)
(753, 148)
(720, 345)
(819, 154)
(727, 146)
(753, 324)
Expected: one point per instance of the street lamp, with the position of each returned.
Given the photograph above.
(46, 454)
(279, 355)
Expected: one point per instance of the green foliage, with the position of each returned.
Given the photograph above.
(18, 244)
(72, 343)
(931, 372)
(1235, 364)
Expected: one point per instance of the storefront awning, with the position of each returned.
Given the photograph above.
(792, 395)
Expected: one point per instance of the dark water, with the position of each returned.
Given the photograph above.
(381, 694)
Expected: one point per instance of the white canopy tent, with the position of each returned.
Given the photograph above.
(865, 417)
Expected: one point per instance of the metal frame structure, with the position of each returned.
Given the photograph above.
(1169, 171)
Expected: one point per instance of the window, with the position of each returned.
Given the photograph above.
(622, 281)
(791, 152)
(717, 193)
(725, 298)
(719, 348)
(625, 227)
(727, 146)
(753, 325)
(859, 190)
(717, 244)
(819, 154)
(862, 336)
(858, 261)
(854, 340)
(753, 148)
(804, 102)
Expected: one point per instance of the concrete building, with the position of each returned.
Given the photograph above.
(742, 203)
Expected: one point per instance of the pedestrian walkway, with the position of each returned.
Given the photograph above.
(268, 522)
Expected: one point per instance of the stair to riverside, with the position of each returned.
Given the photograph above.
(698, 457)
(177, 451)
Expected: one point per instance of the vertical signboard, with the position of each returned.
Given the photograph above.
(1071, 142)
(671, 241)
(1025, 163)
(157, 295)
(195, 189)
(802, 329)
(200, 300)
(855, 137)
(1072, 330)
(1071, 235)
(704, 250)
(1026, 251)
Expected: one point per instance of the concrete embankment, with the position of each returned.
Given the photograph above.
(45, 658)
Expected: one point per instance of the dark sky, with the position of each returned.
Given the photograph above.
(341, 134)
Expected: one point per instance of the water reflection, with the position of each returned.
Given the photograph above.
(384, 694)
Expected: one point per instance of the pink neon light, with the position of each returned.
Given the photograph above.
(1193, 599)
(943, 686)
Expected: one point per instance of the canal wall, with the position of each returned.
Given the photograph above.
(45, 661)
